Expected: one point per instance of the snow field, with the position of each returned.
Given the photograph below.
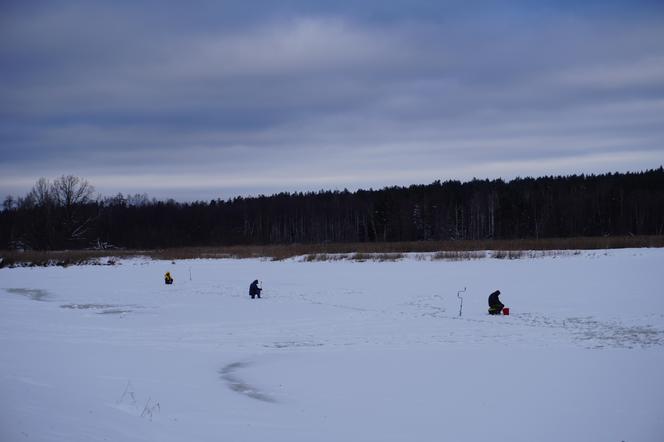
(338, 350)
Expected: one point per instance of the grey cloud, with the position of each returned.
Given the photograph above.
(326, 100)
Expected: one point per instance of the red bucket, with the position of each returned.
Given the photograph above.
(506, 311)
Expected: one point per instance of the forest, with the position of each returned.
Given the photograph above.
(64, 214)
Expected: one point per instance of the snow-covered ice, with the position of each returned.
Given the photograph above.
(337, 350)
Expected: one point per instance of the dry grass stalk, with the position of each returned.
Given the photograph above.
(443, 250)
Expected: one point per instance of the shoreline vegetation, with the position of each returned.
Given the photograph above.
(373, 251)
(452, 215)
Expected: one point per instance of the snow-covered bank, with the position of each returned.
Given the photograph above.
(335, 350)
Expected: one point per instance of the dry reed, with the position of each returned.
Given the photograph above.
(378, 251)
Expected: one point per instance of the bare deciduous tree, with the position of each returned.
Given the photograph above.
(41, 194)
(70, 193)
(70, 190)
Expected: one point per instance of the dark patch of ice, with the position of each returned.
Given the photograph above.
(34, 294)
(106, 309)
(593, 333)
(288, 344)
(114, 311)
(228, 374)
(87, 306)
(600, 334)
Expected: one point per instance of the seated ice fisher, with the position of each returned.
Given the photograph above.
(495, 306)
(167, 278)
(254, 290)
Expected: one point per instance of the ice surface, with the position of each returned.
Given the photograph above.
(336, 350)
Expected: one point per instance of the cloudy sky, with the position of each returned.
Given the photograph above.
(207, 99)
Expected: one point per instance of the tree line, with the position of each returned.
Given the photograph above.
(64, 215)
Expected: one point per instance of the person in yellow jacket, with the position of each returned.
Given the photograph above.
(167, 278)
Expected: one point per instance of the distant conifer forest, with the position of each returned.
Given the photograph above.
(64, 214)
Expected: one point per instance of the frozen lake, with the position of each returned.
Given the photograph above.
(336, 350)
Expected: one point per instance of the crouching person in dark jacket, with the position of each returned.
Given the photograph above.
(254, 290)
(495, 306)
